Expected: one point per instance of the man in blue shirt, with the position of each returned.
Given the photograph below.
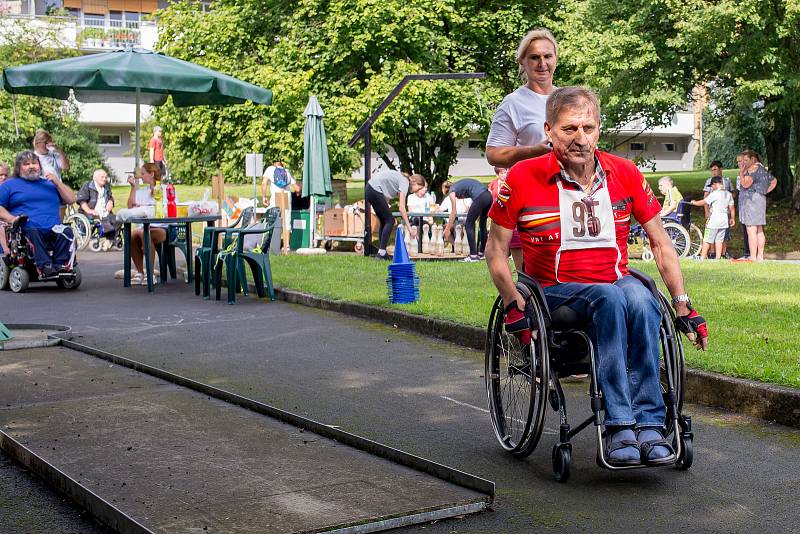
(28, 193)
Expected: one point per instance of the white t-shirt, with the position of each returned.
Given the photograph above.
(719, 201)
(51, 162)
(462, 205)
(519, 119)
(269, 174)
(100, 207)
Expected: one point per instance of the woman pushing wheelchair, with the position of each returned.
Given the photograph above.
(573, 207)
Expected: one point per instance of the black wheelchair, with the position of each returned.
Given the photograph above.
(18, 270)
(522, 380)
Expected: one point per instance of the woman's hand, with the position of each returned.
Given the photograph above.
(132, 181)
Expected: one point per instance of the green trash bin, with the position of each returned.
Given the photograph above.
(301, 230)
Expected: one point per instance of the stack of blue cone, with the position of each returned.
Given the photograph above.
(403, 282)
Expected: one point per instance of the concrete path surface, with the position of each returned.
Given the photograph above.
(428, 398)
(174, 460)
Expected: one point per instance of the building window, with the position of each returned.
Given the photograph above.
(474, 143)
(132, 20)
(670, 147)
(115, 19)
(109, 140)
(94, 21)
(638, 147)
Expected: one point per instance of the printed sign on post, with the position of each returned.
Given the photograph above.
(254, 165)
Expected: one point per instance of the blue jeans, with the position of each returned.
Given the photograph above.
(625, 319)
(47, 242)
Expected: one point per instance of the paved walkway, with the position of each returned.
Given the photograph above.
(427, 397)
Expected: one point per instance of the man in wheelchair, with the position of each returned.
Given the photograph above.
(573, 208)
(96, 201)
(39, 198)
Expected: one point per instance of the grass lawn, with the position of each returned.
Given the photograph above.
(753, 311)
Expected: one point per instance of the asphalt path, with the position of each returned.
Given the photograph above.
(425, 397)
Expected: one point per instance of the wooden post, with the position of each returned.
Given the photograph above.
(218, 191)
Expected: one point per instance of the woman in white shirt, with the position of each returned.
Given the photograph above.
(517, 131)
(142, 195)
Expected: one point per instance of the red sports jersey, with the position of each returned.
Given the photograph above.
(529, 200)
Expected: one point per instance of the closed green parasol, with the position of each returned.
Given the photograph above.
(131, 76)
(316, 167)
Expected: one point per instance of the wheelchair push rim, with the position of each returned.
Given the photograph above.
(517, 380)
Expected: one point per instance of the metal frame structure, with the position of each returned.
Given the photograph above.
(365, 131)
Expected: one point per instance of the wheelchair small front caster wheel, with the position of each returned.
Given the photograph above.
(647, 255)
(686, 457)
(562, 458)
(18, 280)
(95, 245)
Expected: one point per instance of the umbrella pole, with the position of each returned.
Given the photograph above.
(14, 105)
(138, 128)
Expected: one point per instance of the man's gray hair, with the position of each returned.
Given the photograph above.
(24, 157)
(158, 129)
(571, 97)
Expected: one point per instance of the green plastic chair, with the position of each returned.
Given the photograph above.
(235, 257)
(206, 254)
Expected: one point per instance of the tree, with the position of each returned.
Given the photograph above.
(26, 42)
(350, 63)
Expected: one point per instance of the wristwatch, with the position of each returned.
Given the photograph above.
(681, 298)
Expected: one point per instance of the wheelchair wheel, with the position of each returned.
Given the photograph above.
(72, 282)
(4, 273)
(696, 238)
(95, 245)
(517, 379)
(647, 254)
(19, 279)
(81, 228)
(679, 237)
(562, 458)
(672, 358)
(686, 458)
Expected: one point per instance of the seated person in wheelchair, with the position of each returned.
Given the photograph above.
(96, 201)
(672, 198)
(40, 199)
(573, 207)
(5, 172)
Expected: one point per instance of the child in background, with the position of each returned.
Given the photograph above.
(672, 197)
(516, 245)
(720, 219)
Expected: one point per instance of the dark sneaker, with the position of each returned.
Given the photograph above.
(382, 257)
(49, 271)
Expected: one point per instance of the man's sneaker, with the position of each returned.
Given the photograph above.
(136, 279)
(481, 256)
(155, 279)
(743, 259)
(382, 257)
(49, 271)
(471, 259)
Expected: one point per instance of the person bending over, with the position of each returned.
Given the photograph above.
(573, 208)
(381, 188)
(478, 211)
(40, 199)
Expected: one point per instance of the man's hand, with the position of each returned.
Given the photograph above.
(91, 212)
(52, 177)
(265, 201)
(732, 222)
(694, 326)
(446, 233)
(516, 322)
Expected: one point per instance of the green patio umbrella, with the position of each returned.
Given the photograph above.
(132, 76)
(316, 167)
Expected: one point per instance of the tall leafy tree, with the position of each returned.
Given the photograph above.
(350, 53)
(24, 43)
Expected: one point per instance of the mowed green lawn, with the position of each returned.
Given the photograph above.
(753, 311)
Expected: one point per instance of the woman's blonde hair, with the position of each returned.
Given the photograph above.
(531, 36)
(446, 187)
(41, 136)
(752, 154)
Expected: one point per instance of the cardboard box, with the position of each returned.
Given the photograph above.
(335, 224)
(355, 221)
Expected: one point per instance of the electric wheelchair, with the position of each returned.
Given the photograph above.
(521, 381)
(18, 270)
